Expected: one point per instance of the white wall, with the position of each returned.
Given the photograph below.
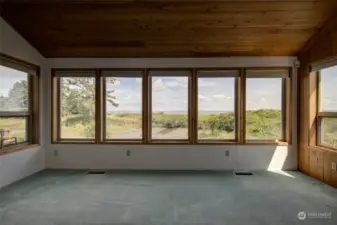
(18, 165)
(176, 156)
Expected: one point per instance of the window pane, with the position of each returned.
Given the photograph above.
(328, 98)
(264, 108)
(13, 90)
(123, 108)
(329, 132)
(216, 104)
(170, 107)
(13, 130)
(77, 107)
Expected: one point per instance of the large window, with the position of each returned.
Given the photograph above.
(217, 105)
(18, 105)
(327, 108)
(171, 106)
(266, 105)
(75, 99)
(123, 105)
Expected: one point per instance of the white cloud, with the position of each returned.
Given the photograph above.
(263, 99)
(327, 101)
(182, 80)
(116, 83)
(175, 84)
(202, 83)
(139, 80)
(263, 92)
(221, 97)
(127, 97)
(158, 85)
(204, 98)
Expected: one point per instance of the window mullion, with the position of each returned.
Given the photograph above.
(99, 98)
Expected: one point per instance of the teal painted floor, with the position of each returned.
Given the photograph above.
(165, 198)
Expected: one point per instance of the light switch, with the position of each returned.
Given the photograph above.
(333, 167)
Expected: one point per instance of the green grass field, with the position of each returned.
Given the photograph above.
(262, 124)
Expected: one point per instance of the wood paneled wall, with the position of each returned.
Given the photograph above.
(315, 161)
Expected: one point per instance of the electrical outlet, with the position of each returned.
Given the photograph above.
(227, 153)
(333, 166)
(128, 152)
(56, 152)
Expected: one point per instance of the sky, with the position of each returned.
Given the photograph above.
(8, 78)
(170, 93)
(328, 88)
(214, 94)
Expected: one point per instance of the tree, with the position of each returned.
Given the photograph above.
(17, 97)
(78, 98)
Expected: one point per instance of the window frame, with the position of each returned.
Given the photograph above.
(237, 103)
(319, 114)
(190, 117)
(56, 106)
(240, 105)
(103, 107)
(286, 109)
(32, 114)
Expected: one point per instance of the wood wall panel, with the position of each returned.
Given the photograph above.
(313, 160)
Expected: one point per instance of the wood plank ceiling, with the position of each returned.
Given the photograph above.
(159, 28)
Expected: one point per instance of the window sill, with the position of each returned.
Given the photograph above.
(281, 143)
(322, 148)
(18, 148)
(174, 143)
(74, 142)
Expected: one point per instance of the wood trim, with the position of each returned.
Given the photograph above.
(280, 143)
(34, 96)
(33, 114)
(327, 114)
(324, 148)
(99, 105)
(103, 108)
(236, 105)
(194, 107)
(4, 56)
(189, 117)
(240, 109)
(289, 105)
(313, 97)
(269, 68)
(145, 113)
(190, 106)
(103, 113)
(243, 106)
(56, 105)
(149, 107)
(84, 142)
(286, 104)
(18, 148)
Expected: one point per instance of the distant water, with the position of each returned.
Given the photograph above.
(176, 112)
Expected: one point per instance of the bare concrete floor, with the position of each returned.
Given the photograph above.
(165, 198)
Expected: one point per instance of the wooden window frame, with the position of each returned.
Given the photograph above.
(240, 108)
(237, 104)
(190, 119)
(56, 107)
(319, 114)
(103, 106)
(286, 107)
(32, 115)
